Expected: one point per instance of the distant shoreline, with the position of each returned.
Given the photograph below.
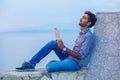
(39, 31)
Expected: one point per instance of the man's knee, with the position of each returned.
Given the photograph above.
(53, 43)
(50, 66)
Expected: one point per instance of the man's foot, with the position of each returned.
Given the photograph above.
(26, 67)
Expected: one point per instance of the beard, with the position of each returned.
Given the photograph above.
(82, 25)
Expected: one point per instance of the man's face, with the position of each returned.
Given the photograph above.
(84, 21)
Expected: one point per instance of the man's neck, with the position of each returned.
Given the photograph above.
(83, 28)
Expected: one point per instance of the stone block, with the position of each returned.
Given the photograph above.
(45, 78)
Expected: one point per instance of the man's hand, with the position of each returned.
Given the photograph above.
(60, 44)
(70, 52)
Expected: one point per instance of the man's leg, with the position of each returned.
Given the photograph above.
(65, 65)
(52, 45)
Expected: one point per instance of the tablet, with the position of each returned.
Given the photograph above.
(57, 35)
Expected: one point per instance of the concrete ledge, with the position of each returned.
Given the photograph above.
(43, 75)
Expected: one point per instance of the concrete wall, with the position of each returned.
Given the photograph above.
(105, 62)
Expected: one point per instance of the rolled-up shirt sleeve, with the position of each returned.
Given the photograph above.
(86, 46)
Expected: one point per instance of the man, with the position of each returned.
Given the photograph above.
(70, 60)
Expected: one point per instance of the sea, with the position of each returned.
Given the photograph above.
(19, 46)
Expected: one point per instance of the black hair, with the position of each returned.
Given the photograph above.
(92, 18)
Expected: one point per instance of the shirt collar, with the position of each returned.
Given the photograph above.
(84, 31)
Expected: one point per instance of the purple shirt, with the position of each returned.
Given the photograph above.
(84, 45)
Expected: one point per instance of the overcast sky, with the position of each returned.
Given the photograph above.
(20, 15)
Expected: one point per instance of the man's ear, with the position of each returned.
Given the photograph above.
(89, 23)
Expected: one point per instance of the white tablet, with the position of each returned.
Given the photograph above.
(57, 35)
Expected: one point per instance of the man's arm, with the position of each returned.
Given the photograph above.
(73, 53)
(70, 52)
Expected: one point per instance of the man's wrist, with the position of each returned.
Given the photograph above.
(64, 49)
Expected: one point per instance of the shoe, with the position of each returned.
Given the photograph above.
(26, 66)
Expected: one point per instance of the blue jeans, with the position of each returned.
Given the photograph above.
(65, 63)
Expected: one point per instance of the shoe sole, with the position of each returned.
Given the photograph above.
(26, 70)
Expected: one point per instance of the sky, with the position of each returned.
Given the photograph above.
(31, 15)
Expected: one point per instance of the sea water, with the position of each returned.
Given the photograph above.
(16, 47)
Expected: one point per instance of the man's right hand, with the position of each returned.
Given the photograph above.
(60, 44)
